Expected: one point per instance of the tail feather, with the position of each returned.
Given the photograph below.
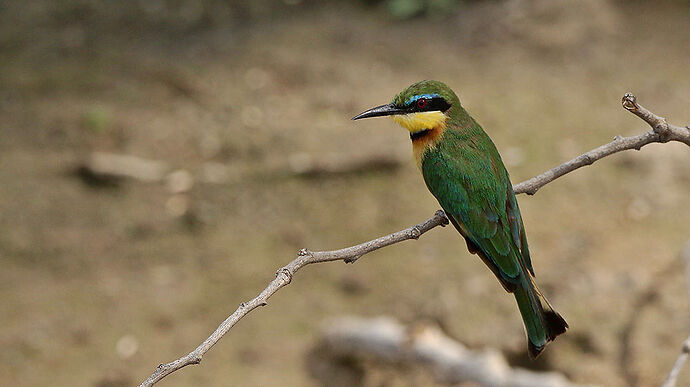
(542, 323)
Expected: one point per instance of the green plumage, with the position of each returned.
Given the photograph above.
(464, 171)
(465, 174)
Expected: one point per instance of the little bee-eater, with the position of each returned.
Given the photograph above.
(464, 171)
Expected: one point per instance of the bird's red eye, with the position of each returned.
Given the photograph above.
(421, 103)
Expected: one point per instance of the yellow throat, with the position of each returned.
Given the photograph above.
(416, 122)
(433, 121)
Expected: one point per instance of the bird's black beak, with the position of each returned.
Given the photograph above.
(379, 111)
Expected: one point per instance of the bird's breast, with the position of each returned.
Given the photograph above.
(424, 140)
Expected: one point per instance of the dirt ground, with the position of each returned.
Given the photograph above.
(101, 281)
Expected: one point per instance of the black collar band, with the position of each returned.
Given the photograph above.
(419, 134)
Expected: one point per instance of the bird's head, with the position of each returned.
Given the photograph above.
(422, 106)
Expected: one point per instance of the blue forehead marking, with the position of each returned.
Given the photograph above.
(416, 97)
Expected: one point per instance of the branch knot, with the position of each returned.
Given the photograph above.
(415, 232)
(442, 214)
(287, 272)
(661, 128)
(351, 259)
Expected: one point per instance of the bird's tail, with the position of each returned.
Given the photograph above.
(542, 323)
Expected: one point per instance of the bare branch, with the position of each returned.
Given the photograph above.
(675, 371)
(685, 351)
(662, 132)
(284, 276)
(666, 131)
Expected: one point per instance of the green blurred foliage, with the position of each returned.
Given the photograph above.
(406, 9)
(97, 119)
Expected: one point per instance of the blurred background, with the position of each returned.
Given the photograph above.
(159, 160)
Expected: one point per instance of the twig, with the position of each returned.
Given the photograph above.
(661, 132)
(680, 361)
(642, 301)
(284, 277)
(673, 375)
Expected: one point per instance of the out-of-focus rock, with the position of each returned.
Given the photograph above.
(303, 164)
(385, 340)
(177, 205)
(110, 167)
(639, 208)
(179, 181)
(127, 346)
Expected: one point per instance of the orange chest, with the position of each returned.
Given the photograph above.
(421, 141)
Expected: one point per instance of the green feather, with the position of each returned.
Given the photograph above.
(465, 173)
(463, 170)
(474, 194)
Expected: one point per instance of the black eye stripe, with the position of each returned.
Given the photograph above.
(432, 104)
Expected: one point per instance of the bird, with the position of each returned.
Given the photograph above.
(463, 169)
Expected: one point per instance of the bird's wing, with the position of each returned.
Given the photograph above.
(472, 186)
(517, 228)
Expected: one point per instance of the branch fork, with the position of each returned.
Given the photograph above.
(660, 126)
